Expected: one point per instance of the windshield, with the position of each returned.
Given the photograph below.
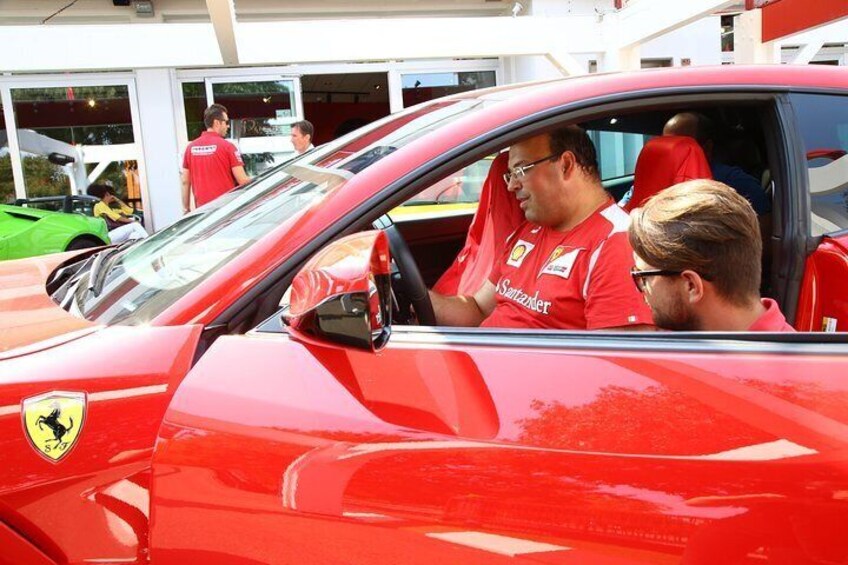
(133, 285)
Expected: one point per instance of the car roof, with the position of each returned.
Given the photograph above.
(788, 76)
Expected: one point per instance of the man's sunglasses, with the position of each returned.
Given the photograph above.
(639, 276)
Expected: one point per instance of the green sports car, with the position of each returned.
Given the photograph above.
(25, 232)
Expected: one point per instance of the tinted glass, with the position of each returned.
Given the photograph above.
(194, 103)
(53, 121)
(421, 87)
(261, 114)
(823, 120)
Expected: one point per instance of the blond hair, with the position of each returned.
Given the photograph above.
(704, 226)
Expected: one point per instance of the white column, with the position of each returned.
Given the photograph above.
(806, 53)
(12, 140)
(395, 91)
(628, 59)
(748, 43)
(566, 63)
(223, 15)
(161, 161)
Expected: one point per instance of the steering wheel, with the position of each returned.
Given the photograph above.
(412, 284)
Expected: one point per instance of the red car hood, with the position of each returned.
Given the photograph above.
(27, 314)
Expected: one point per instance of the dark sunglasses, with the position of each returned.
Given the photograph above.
(640, 276)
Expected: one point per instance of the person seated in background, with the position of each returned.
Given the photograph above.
(567, 266)
(700, 127)
(697, 250)
(117, 215)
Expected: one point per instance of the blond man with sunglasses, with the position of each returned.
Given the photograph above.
(698, 253)
(568, 265)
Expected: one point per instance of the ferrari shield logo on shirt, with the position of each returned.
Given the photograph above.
(53, 422)
(520, 250)
(561, 262)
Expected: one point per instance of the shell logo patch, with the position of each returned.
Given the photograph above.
(53, 422)
(520, 250)
(561, 262)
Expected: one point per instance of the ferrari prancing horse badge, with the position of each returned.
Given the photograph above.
(53, 422)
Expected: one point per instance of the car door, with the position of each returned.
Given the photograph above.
(471, 445)
(78, 418)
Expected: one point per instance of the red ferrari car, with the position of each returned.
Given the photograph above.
(263, 381)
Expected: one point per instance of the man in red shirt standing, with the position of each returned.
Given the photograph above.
(211, 164)
(698, 259)
(568, 265)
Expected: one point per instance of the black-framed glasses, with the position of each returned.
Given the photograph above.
(520, 171)
(639, 276)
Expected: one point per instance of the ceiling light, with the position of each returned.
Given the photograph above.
(613, 121)
(92, 102)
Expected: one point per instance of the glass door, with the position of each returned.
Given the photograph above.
(420, 87)
(261, 111)
(69, 134)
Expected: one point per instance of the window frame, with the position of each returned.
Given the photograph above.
(401, 189)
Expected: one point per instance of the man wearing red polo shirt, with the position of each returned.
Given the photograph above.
(566, 267)
(211, 164)
(698, 256)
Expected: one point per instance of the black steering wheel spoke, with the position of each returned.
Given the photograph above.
(410, 290)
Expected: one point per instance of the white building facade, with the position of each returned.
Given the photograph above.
(101, 92)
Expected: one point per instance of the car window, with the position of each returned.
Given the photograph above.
(823, 120)
(146, 278)
(456, 193)
(54, 205)
(84, 207)
(617, 154)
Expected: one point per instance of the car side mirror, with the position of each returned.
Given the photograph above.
(343, 294)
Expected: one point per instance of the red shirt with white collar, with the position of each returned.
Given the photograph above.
(772, 319)
(577, 279)
(210, 160)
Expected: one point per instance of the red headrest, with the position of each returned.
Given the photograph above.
(665, 161)
(498, 214)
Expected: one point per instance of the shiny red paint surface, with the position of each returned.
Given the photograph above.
(330, 455)
(346, 267)
(27, 314)
(823, 288)
(93, 504)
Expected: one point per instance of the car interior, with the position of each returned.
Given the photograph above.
(622, 142)
(440, 222)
